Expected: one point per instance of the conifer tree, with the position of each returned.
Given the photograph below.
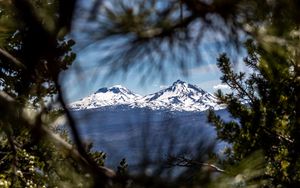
(264, 103)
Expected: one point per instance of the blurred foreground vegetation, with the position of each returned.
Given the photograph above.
(264, 138)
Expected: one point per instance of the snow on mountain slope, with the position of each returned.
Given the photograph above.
(115, 95)
(181, 96)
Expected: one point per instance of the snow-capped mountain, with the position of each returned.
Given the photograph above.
(181, 96)
(115, 95)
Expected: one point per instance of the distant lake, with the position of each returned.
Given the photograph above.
(145, 135)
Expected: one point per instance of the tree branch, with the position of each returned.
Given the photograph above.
(12, 107)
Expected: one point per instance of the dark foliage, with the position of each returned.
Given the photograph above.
(265, 106)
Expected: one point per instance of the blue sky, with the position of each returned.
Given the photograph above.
(88, 72)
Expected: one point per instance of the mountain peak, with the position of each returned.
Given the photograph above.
(184, 87)
(179, 82)
(117, 86)
(179, 86)
(114, 89)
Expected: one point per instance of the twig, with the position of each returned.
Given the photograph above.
(184, 162)
(12, 58)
